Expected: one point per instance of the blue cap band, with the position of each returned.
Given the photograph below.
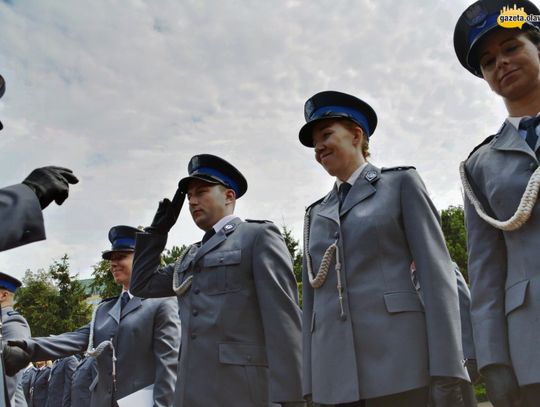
(477, 30)
(124, 242)
(215, 173)
(8, 285)
(342, 111)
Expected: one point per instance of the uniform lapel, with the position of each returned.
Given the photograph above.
(362, 188)
(114, 312)
(132, 305)
(217, 239)
(329, 207)
(510, 140)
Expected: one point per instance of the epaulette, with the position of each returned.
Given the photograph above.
(108, 299)
(486, 141)
(258, 221)
(318, 201)
(11, 313)
(399, 168)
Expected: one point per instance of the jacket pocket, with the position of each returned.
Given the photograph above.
(234, 353)
(402, 301)
(515, 296)
(223, 258)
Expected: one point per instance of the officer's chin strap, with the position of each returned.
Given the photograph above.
(95, 352)
(332, 250)
(524, 210)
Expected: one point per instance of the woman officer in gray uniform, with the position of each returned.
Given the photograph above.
(368, 339)
(501, 179)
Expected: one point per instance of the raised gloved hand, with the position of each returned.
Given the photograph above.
(15, 357)
(167, 214)
(445, 392)
(501, 385)
(50, 184)
(472, 369)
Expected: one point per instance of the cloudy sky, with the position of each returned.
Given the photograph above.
(125, 92)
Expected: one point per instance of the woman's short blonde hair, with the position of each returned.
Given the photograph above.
(350, 125)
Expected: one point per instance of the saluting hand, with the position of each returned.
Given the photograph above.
(50, 184)
(167, 214)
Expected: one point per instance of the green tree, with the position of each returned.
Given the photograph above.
(453, 226)
(53, 302)
(170, 256)
(296, 254)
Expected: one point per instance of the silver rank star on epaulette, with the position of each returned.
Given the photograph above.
(370, 175)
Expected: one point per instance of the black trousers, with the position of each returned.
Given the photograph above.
(412, 398)
(531, 395)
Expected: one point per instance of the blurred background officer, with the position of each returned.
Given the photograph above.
(237, 296)
(143, 334)
(14, 326)
(84, 379)
(26, 382)
(39, 387)
(368, 338)
(59, 392)
(503, 263)
(21, 220)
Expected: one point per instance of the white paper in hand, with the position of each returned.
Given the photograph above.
(141, 398)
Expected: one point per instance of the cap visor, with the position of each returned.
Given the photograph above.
(107, 254)
(183, 185)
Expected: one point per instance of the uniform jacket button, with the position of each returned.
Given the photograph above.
(195, 312)
(193, 336)
(196, 290)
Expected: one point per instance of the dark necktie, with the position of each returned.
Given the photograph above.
(343, 190)
(529, 125)
(209, 233)
(124, 300)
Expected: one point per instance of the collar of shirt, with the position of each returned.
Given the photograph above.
(354, 176)
(223, 221)
(514, 121)
(130, 295)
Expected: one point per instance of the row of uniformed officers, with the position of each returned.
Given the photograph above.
(381, 324)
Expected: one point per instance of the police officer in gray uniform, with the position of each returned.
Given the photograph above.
(59, 393)
(21, 220)
(368, 338)
(237, 296)
(84, 378)
(14, 326)
(134, 340)
(503, 229)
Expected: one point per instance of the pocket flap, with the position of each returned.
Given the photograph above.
(515, 296)
(242, 354)
(402, 301)
(222, 258)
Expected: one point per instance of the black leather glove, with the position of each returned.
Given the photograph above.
(472, 369)
(15, 357)
(50, 184)
(501, 386)
(167, 214)
(445, 392)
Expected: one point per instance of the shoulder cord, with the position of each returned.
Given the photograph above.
(95, 352)
(181, 289)
(332, 250)
(524, 210)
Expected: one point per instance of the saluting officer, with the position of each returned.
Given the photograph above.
(237, 296)
(135, 340)
(14, 326)
(368, 338)
(21, 220)
(502, 216)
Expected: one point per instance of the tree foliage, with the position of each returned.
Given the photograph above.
(53, 301)
(296, 254)
(453, 226)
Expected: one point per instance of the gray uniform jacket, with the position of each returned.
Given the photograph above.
(504, 267)
(146, 340)
(26, 382)
(59, 394)
(241, 336)
(40, 387)
(14, 326)
(81, 382)
(465, 315)
(21, 220)
(387, 341)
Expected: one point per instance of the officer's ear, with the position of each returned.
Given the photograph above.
(230, 196)
(358, 135)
